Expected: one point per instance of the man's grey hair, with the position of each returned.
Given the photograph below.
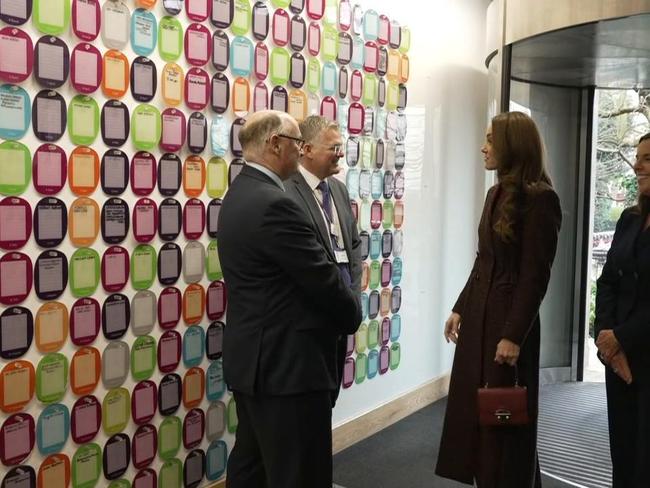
(258, 128)
(312, 127)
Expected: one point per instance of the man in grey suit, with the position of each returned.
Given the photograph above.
(327, 203)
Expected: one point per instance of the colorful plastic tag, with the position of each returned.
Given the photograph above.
(170, 390)
(220, 50)
(51, 16)
(116, 458)
(144, 447)
(260, 20)
(170, 219)
(222, 13)
(83, 120)
(83, 221)
(115, 220)
(215, 421)
(216, 460)
(240, 97)
(115, 364)
(193, 428)
(214, 341)
(241, 56)
(215, 384)
(169, 351)
(16, 12)
(298, 33)
(169, 174)
(198, 44)
(50, 275)
(260, 97)
(214, 207)
(115, 82)
(144, 402)
(116, 316)
(194, 468)
(49, 116)
(144, 80)
(170, 39)
(143, 358)
(169, 306)
(51, 327)
(145, 127)
(197, 89)
(261, 61)
(169, 439)
(116, 18)
(51, 62)
(52, 429)
(193, 225)
(313, 38)
(197, 132)
(144, 32)
(220, 95)
(147, 478)
(86, 68)
(116, 409)
(84, 371)
(15, 112)
(193, 176)
(115, 123)
(217, 178)
(17, 439)
(16, 168)
(15, 223)
(16, 332)
(52, 379)
(115, 269)
(193, 304)
(143, 265)
(86, 19)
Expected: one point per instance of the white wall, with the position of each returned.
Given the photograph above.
(447, 103)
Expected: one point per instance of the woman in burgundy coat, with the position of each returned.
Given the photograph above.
(495, 321)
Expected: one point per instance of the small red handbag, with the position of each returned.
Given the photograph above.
(503, 406)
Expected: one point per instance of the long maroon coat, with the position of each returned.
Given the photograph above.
(500, 300)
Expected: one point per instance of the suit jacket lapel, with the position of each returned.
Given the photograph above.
(341, 202)
(307, 195)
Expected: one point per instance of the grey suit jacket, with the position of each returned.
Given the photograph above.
(299, 190)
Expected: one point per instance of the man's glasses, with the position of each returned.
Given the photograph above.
(299, 142)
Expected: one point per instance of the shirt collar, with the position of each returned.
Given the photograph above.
(263, 169)
(311, 179)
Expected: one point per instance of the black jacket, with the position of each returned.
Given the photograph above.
(623, 293)
(287, 303)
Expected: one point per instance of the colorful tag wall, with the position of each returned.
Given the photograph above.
(119, 123)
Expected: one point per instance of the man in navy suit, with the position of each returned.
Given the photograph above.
(326, 201)
(288, 303)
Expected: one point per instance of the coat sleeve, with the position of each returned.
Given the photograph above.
(460, 302)
(538, 243)
(607, 285)
(355, 242)
(290, 242)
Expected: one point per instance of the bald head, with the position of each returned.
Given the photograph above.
(262, 141)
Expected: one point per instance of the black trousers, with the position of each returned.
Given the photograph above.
(628, 412)
(282, 442)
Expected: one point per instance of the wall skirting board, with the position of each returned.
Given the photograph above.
(359, 428)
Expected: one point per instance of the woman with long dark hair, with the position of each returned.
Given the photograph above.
(622, 330)
(495, 321)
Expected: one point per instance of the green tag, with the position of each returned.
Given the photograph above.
(86, 466)
(280, 60)
(361, 342)
(121, 483)
(280, 3)
(169, 438)
(313, 75)
(392, 95)
(373, 334)
(83, 120)
(84, 272)
(15, 168)
(171, 474)
(143, 267)
(146, 127)
(330, 43)
(170, 39)
(232, 416)
(217, 177)
(143, 358)
(375, 275)
(51, 16)
(405, 43)
(331, 12)
(387, 221)
(370, 89)
(213, 263)
(241, 21)
(365, 152)
(116, 410)
(361, 368)
(395, 355)
(51, 378)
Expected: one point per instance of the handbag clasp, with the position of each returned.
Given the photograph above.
(503, 415)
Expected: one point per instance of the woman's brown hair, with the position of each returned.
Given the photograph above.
(643, 204)
(519, 152)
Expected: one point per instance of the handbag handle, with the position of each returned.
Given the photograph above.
(516, 376)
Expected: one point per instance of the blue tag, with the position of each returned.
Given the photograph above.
(144, 32)
(15, 112)
(215, 386)
(219, 136)
(364, 305)
(375, 244)
(329, 83)
(193, 346)
(358, 49)
(373, 363)
(241, 56)
(397, 271)
(376, 184)
(52, 429)
(395, 327)
(216, 458)
(370, 25)
(352, 182)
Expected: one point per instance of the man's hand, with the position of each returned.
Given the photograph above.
(452, 326)
(621, 367)
(607, 345)
(507, 352)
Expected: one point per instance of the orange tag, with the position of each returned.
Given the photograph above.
(84, 371)
(193, 304)
(54, 472)
(297, 105)
(16, 386)
(83, 222)
(404, 69)
(193, 387)
(83, 171)
(193, 176)
(172, 84)
(146, 3)
(394, 69)
(115, 82)
(241, 97)
(398, 214)
(51, 327)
